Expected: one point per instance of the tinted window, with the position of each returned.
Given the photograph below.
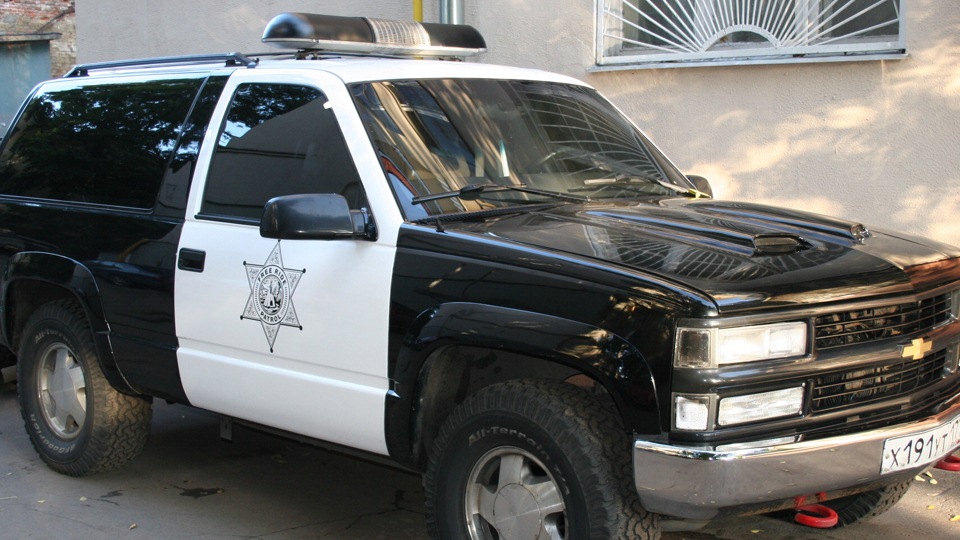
(436, 136)
(97, 143)
(277, 140)
(176, 182)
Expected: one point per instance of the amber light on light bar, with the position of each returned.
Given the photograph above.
(307, 31)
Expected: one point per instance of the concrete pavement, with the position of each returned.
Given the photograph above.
(189, 484)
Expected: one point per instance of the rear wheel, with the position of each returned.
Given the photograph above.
(533, 459)
(77, 422)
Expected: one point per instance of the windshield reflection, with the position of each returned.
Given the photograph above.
(436, 136)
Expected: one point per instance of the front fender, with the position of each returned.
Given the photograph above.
(48, 271)
(526, 339)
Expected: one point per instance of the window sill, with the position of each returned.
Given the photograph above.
(622, 63)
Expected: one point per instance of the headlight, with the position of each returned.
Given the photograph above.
(715, 347)
(763, 406)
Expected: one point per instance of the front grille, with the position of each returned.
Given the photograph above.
(874, 324)
(857, 387)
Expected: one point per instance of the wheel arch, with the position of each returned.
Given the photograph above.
(459, 348)
(33, 279)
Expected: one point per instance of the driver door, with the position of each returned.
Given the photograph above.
(290, 334)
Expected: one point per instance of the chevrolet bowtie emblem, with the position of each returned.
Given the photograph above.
(916, 349)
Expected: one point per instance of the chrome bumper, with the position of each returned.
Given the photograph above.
(697, 483)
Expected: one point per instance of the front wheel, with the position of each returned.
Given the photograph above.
(533, 459)
(869, 504)
(77, 422)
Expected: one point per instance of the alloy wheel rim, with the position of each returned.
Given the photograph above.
(511, 495)
(62, 389)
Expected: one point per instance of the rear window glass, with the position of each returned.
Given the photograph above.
(97, 143)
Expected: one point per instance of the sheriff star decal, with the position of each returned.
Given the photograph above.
(271, 295)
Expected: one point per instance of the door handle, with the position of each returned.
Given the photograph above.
(191, 260)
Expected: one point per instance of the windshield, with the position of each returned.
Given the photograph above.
(455, 137)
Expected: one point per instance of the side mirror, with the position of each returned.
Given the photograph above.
(322, 216)
(701, 183)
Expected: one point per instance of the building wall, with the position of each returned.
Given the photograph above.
(44, 17)
(37, 41)
(114, 29)
(870, 141)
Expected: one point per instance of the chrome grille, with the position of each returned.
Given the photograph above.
(873, 324)
(866, 385)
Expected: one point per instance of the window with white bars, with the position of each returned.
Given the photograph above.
(665, 33)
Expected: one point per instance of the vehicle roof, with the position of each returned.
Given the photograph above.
(353, 69)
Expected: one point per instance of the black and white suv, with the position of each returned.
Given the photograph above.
(486, 273)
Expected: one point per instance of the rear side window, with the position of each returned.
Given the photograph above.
(97, 143)
(278, 139)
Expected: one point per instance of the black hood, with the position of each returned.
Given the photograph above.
(744, 256)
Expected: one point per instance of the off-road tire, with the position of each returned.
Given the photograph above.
(77, 422)
(868, 504)
(562, 435)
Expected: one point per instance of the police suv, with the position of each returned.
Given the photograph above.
(487, 274)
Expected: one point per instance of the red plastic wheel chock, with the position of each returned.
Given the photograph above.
(949, 463)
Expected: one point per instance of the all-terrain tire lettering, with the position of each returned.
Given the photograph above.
(114, 427)
(579, 442)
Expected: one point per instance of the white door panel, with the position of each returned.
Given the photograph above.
(290, 334)
(326, 380)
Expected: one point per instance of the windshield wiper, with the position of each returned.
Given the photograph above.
(472, 192)
(621, 180)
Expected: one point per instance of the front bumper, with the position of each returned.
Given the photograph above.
(700, 483)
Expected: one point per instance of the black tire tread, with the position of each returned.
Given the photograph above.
(578, 420)
(120, 422)
(867, 505)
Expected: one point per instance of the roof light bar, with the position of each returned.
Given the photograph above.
(307, 31)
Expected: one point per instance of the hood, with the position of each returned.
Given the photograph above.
(744, 256)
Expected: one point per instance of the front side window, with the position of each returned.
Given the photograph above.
(96, 142)
(278, 139)
(498, 141)
(652, 33)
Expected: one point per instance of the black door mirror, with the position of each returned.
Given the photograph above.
(323, 216)
(701, 183)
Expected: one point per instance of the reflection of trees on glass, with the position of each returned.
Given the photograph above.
(106, 144)
(255, 104)
(278, 139)
(442, 135)
(182, 165)
(583, 135)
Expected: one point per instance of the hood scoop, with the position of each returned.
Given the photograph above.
(821, 227)
(778, 244)
(724, 235)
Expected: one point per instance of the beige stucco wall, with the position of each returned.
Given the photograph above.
(114, 29)
(871, 141)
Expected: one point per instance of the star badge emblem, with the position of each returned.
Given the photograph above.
(271, 295)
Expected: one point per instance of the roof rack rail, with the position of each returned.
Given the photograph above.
(229, 59)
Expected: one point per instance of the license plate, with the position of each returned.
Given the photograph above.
(920, 449)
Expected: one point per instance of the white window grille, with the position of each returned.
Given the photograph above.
(666, 33)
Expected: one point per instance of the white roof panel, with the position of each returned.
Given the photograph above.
(361, 69)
